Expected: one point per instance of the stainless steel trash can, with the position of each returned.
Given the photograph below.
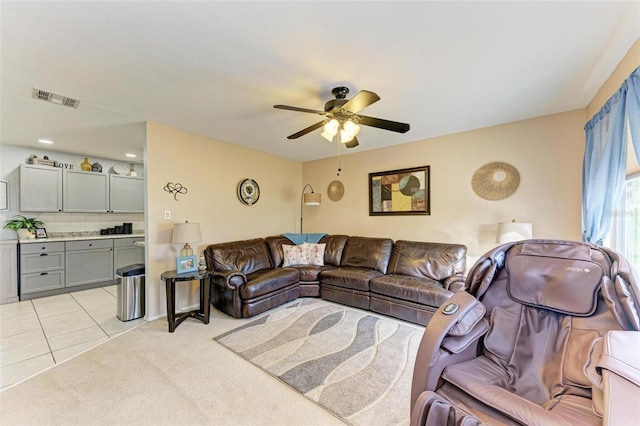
(130, 292)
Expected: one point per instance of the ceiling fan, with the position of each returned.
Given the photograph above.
(342, 116)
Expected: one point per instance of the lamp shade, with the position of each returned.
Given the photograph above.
(513, 231)
(186, 233)
(311, 199)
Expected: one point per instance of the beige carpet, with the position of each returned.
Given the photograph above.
(356, 364)
(148, 376)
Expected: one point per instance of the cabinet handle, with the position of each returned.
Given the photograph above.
(44, 273)
(44, 254)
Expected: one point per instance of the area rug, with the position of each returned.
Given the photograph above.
(356, 364)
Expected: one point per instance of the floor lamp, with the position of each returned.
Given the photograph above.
(309, 199)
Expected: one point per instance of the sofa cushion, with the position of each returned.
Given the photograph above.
(346, 277)
(334, 248)
(429, 260)
(294, 255)
(315, 253)
(311, 272)
(334, 245)
(245, 256)
(268, 281)
(368, 253)
(423, 291)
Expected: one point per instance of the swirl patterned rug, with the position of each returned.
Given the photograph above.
(354, 363)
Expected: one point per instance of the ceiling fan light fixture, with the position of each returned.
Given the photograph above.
(330, 129)
(327, 136)
(349, 131)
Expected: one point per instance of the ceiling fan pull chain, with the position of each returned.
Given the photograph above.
(338, 157)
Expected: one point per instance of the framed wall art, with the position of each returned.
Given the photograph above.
(400, 192)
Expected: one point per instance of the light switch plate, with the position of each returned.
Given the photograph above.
(167, 214)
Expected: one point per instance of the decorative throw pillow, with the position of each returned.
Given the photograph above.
(315, 253)
(294, 255)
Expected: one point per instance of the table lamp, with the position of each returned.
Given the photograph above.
(185, 233)
(513, 231)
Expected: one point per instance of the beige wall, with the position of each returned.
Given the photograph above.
(630, 62)
(547, 152)
(211, 171)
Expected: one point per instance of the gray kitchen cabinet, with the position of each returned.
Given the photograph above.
(125, 253)
(42, 267)
(126, 194)
(85, 192)
(9, 271)
(88, 261)
(40, 188)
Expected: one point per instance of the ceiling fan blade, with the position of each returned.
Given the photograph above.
(292, 108)
(352, 143)
(394, 126)
(307, 130)
(361, 100)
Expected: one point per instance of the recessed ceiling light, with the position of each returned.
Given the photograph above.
(131, 155)
(47, 141)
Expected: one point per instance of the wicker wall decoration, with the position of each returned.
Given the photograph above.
(495, 181)
(335, 190)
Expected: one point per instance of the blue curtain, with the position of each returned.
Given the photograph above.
(605, 158)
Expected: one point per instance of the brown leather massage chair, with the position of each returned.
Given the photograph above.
(546, 334)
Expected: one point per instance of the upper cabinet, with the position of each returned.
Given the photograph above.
(40, 188)
(49, 189)
(85, 192)
(126, 194)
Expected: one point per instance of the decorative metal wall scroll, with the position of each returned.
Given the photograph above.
(175, 189)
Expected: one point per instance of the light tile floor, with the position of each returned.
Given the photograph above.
(39, 333)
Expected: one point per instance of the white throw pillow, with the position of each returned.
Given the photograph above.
(315, 253)
(294, 255)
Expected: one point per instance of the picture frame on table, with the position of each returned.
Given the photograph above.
(41, 233)
(186, 264)
(400, 192)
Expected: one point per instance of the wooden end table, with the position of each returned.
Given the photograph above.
(202, 314)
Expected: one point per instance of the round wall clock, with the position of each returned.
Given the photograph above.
(248, 192)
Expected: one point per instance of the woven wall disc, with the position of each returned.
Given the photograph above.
(335, 190)
(495, 181)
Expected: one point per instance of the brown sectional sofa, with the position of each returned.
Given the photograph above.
(406, 279)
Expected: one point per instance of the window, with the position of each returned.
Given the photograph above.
(625, 232)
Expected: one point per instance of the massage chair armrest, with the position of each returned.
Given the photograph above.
(618, 394)
(433, 410)
(454, 283)
(229, 279)
(460, 323)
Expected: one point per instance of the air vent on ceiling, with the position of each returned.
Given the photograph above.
(55, 98)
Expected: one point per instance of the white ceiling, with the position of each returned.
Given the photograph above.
(217, 68)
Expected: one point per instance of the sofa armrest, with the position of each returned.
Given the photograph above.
(461, 315)
(454, 283)
(229, 279)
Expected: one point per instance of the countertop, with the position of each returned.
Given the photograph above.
(71, 236)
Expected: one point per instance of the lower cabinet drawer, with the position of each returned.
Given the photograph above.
(42, 262)
(31, 283)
